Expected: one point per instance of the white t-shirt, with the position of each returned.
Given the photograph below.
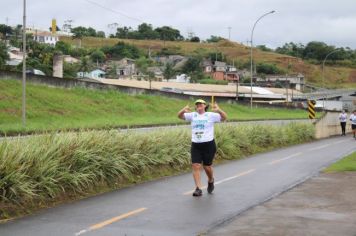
(202, 125)
(353, 119)
(343, 117)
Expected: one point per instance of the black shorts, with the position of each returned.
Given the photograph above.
(353, 127)
(203, 152)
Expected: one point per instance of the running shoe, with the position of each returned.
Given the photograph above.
(211, 187)
(197, 192)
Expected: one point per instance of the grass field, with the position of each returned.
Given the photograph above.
(335, 77)
(51, 109)
(346, 164)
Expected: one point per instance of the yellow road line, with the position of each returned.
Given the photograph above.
(224, 180)
(110, 221)
(285, 158)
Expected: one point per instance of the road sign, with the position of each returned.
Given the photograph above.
(311, 109)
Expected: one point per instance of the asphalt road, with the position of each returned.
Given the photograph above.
(166, 207)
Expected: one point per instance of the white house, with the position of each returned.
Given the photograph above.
(182, 78)
(95, 74)
(46, 37)
(15, 56)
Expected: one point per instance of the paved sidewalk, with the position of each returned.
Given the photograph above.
(324, 205)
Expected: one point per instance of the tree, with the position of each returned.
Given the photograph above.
(168, 71)
(121, 50)
(214, 39)
(97, 56)
(112, 73)
(195, 76)
(70, 70)
(5, 30)
(79, 32)
(123, 32)
(317, 50)
(195, 39)
(216, 56)
(192, 65)
(64, 47)
(169, 34)
(142, 64)
(91, 32)
(292, 49)
(264, 48)
(145, 31)
(269, 69)
(151, 76)
(100, 34)
(4, 56)
(193, 68)
(85, 64)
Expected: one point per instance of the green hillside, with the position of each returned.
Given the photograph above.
(51, 108)
(335, 76)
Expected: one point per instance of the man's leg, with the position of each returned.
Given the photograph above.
(209, 172)
(196, 174)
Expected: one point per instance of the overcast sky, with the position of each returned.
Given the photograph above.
(302, 21)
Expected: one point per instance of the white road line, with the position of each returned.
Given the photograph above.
(338, 142)
(110, 221)
(224, 180)
(319, 147)
(285, 158)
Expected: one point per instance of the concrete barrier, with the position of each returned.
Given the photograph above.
(329, 125)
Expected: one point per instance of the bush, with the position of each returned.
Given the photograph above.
(36, 170)
(268, 69)
(212, 81)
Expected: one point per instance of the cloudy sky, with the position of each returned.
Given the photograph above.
(330, 21)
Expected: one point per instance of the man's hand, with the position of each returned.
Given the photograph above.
(185, 109)
(215, 107)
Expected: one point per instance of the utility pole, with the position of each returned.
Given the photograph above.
(24, 66)
(229, 28)
(7, 20)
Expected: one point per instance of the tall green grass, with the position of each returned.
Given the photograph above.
(38, 170)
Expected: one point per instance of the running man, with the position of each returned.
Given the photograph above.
(203, 147)
(353, 123)
(343, 119)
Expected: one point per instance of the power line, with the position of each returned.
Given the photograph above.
(113, 11)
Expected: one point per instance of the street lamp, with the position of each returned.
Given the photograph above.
(326, 57)
(24, 65)
(252, 48)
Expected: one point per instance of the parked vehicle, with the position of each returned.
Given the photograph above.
(171, 90)
(34, 72)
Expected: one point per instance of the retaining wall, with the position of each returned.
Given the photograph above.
(329, 125)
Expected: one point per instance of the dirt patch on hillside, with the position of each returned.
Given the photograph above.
(324, 205)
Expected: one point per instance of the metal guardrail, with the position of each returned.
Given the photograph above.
(325, 94)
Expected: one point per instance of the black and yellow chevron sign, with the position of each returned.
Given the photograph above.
(311, 109)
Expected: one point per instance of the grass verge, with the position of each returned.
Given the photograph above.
(51, 109)
(45, 170)
(346, 164)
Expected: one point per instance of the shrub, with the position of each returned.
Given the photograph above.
(38, 169)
